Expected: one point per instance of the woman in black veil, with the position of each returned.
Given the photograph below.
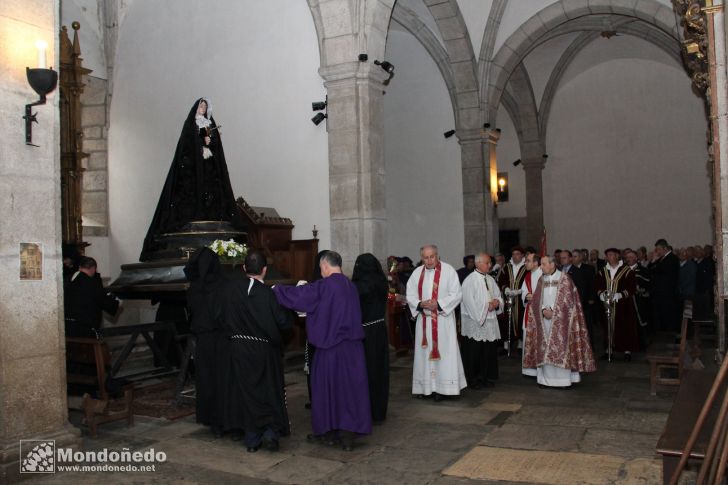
(198, 185)
(373, 289)
(204, 273)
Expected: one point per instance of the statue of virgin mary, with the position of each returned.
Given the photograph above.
(197, 186)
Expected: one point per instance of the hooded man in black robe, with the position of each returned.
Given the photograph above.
(254, 399)
(373, 290)
(206, 283)
(198, 184)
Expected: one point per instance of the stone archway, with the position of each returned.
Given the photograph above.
(649, 20)
(563, 17)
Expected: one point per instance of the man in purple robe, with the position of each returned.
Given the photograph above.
(339, 389)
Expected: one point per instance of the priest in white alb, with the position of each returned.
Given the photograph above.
(433, 294)
(482, 303)
(557, 338)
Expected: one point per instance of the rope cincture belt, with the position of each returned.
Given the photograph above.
(372, 322)
(250, 337)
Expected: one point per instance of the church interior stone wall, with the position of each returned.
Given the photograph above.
(277, 81)
(636, 172)
(637, 162)
(424, 183)
(258, 64)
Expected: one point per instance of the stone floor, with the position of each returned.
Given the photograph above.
(602, 431)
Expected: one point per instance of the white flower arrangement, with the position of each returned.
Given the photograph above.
(229, 251)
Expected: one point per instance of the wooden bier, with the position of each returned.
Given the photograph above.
(290, 259)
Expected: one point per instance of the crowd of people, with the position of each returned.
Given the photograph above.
(547, 308)
(535, 305)
(242, 325)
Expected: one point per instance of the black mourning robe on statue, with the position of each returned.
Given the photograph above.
(206, 282)
(254, 397)
(373, 289)
(197, 188)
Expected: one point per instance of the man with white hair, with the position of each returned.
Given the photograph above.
(482, 302)
(433, 293)
(557, 342)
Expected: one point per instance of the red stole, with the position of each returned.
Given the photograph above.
(435, 353)
(529, 286)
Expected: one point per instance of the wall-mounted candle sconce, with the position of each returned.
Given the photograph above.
(43, 81)
(502, 186)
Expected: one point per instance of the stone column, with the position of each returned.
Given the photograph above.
(476, 191)
(356, 160)
(32, 345)
(534, 199)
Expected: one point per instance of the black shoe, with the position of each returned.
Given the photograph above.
(236, 436)
(271, 444)
(315, 438)
(489, 384)
(627, 357)
(333, 440)
(437, 397)
(476, 386)
(347, 447)
(253, 449)
(217, 432)
(604, 357)
(307, 405)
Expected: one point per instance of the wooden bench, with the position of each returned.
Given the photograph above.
(691, 395)
(667, 357)
(88, 352)
(93, 352)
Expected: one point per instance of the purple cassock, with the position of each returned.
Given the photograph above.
(339, 387)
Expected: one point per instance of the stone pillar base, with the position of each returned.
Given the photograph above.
(65, 437)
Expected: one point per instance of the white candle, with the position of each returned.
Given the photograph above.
(41, 46)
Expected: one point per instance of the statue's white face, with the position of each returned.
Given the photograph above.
(202, 108)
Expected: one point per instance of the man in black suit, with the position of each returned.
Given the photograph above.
(583, 276)
(85, 300)
(468, 267)
(666, 309)
(588, 275)
(565, 263)
(595, 260)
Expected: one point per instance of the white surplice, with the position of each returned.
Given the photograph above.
(547, 374)
(534, 275)
(477, 321)
(444, 376)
